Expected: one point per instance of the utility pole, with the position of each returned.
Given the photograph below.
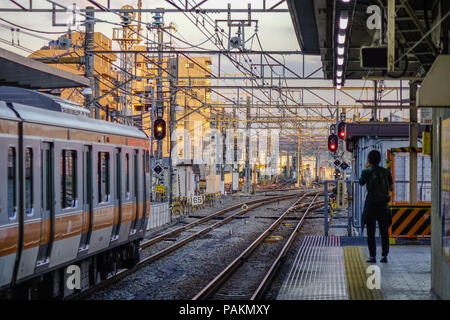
(317, 165)
(299, 160)
(173, 67)
(235, 165)
(247, 171)
(89, 58)
(224, 150)
(159, 24)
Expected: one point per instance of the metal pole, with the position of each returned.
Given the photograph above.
(172, 121)
(325, 207)
(247, 150)
(89, 56)
(159, 88)
(349, 208)
(413, 143)
(299, 160)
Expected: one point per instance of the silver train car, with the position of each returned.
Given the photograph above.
(73, 191)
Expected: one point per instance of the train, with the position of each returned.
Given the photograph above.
(74, 191)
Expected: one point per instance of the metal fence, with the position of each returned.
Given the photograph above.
(159, 215)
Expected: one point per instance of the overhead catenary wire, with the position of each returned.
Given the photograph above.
(232, 59)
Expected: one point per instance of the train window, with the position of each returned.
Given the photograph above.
(12, 197)
(103, 178)
(127, 176)
(29, 181)
(68, 178)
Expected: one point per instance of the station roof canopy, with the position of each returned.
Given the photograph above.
(19, 71)
(316, 23)
(305, 25)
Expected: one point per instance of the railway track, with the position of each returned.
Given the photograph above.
(243, 284)
(244, 208)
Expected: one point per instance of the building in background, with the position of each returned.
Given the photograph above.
(67, 53)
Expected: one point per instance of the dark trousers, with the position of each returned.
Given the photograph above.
(382, 215)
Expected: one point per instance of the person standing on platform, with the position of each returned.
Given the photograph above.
(379, 182)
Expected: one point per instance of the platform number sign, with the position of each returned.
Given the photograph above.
(197, 200)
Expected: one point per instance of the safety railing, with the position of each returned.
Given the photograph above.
(331, 207)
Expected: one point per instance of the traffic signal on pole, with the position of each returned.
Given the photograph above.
(333, 143)
(159, 129)
(341, 130)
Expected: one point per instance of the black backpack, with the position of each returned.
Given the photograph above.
(378, 187)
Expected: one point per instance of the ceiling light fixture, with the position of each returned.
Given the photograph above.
(341, 38)
(343, 20)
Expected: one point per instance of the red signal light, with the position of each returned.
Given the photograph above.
(332, 142)
(341, 130)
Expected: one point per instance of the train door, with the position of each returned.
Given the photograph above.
(126, 198)
(145, 188)
(32, 214)
(136, 189)
(47, 204)
(118, 191)
(87, 198)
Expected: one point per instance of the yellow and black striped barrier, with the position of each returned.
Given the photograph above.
(407, 149)
(183, 205)
(410, 221)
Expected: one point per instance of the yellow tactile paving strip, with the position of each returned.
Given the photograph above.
(356, 276)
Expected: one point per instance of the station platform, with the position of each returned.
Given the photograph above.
(335, 268)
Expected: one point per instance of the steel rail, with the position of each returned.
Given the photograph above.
(218, 281)
(270, 275)
(188, 239)
(125, 272)
(209, 217)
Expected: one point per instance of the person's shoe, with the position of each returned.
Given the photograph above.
(371, 260)
(384, 259)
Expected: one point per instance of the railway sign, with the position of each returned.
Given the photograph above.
(158, 169)
(160, 189)
(426, 116)
(197, 200)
